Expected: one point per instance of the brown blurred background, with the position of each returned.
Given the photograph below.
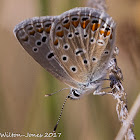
(23, 82)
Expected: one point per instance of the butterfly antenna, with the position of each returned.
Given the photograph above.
(56, 92)
(60, 114)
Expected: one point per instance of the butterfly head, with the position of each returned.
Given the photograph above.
(74, 94)
(77, 94)
(90, 87)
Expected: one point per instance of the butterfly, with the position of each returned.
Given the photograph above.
(75, 47)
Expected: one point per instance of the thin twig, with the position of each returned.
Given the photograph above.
(119, 94)
(134, 110)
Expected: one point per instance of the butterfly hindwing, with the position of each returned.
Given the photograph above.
(34, 35)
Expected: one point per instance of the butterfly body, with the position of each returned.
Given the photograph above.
(75, 47)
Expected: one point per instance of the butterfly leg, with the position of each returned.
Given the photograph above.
(115, 76)
(101, 93)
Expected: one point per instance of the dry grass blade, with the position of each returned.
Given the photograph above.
(134, 110)
(119, 94)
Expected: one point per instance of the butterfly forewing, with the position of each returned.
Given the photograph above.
(87, 33)
(34, 36)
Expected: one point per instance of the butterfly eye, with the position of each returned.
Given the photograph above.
(75, 93)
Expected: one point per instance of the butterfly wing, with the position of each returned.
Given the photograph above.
(82, 41)
(34, 36)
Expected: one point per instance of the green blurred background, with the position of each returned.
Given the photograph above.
(23, 82)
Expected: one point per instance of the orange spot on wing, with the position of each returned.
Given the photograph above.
(84, 24)
(32, 32)
(75, 23)
(40, 30)
(95, 26)
(48, 29)
(60, 34)
(56, 42)
(67, 25)
(108, 33)
(111, 36)
(102, 32)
